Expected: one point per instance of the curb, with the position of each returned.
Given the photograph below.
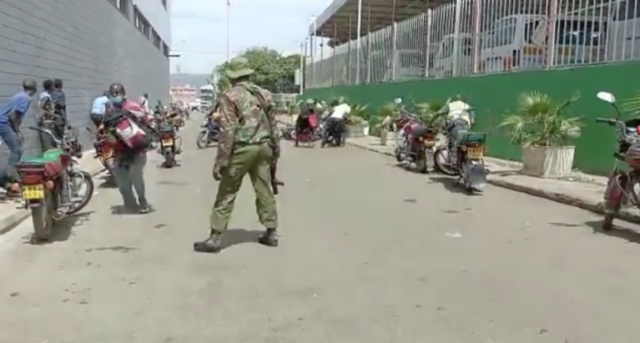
(11, 222)
(565, 199)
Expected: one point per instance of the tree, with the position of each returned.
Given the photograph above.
(273, 71)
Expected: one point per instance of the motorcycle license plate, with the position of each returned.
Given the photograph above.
(429, 143)
(167, 142)
(475, 153)
(35, 192)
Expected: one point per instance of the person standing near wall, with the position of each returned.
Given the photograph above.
(11, 114)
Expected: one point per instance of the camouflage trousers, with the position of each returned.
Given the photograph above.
(254, 160)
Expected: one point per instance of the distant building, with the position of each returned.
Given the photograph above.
(185, 94)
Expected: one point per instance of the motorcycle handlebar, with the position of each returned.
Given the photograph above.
(39, 129)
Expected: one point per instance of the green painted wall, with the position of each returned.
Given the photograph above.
(496, 95)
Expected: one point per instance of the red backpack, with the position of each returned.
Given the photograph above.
(126, 129)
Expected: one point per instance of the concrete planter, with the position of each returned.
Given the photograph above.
(355, 131)
(548, 161)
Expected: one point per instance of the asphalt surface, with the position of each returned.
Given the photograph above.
(369, 253)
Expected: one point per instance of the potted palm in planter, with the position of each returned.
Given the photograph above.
(543, 130)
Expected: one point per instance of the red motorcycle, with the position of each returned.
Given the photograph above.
(620, 188)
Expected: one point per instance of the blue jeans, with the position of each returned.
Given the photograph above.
(10, 138)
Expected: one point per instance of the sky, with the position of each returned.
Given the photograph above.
(198, 29)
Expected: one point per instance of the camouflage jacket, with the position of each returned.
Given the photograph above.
(243, 120)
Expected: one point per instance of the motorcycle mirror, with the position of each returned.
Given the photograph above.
(398, 101)
(608, 97)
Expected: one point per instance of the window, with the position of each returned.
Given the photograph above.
(165, 49)
(578, 32)
(530, 29)
(164, 4)
(447, 48)
(503, 33)
(141, 23)
(157, 42)
(123, 6)
(627, 9)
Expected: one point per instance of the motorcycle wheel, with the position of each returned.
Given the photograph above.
(440, 163)
(42, 221)
(87, 180)
(421, 162)
(169, 160)
(202, 141)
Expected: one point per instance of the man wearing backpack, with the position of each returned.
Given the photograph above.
(248, 144)
(129, 166)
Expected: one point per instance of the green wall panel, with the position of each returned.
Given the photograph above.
(496, 95)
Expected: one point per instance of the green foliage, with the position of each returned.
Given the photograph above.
(428, 114)
(273, 71)
(539, 121)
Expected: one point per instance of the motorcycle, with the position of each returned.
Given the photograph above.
(406, 144)
(467, 162)
(422, 148)
(620, 187)
(104, 150)
(168, 145)
(44, 180)
(207, 135)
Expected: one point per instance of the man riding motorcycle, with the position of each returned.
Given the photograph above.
(336, 124)
(460, 117)
(302, 123)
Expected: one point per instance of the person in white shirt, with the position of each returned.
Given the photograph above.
(460, 116)
(144, 103)
(336, 127)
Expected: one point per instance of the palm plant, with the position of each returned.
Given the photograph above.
(539, 121)
(428, 113)
(631, 105)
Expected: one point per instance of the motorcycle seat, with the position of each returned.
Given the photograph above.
(49, 156)
(469, 137)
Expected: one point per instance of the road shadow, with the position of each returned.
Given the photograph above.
(452, 185)
(63, 229)
(617, 231)
(121, 210)
(240, 236)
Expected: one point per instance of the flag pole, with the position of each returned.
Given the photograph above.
(228, 40)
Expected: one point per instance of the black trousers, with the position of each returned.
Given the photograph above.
(336, 127)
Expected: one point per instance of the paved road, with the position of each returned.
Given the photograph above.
(369, 253)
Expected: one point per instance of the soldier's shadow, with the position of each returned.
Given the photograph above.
(240, 236)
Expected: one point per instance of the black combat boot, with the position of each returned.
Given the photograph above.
(269, 238)
(213, 244)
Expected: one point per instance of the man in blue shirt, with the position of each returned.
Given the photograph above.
(11, 114)
(99, 108)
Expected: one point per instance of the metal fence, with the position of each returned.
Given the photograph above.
(485, 36)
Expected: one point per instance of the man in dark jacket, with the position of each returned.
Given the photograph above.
(60, 107)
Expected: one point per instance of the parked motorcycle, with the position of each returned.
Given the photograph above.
(45, 178)
(207, 135)
(104, 150)
(168, 145)
(415, 143)
(620, 188)
(467, 161)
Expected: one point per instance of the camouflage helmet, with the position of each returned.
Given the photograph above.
(238, 67)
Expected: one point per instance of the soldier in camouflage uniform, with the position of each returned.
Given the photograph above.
(248, 144)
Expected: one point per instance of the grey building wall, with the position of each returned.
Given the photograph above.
(86, 43)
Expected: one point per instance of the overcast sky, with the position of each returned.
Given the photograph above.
(199, 28)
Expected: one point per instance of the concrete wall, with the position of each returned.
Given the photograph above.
(496, 95)
(157, 15)
(86, 43)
